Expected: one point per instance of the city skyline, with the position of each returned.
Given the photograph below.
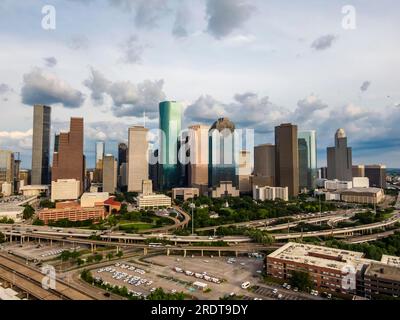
(271, 69)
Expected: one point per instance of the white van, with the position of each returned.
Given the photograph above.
(245, 285)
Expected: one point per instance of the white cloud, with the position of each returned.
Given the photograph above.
(40, 87)
(129, 99)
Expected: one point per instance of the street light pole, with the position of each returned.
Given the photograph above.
(192, 206)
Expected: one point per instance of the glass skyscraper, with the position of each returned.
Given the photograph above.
(170, 125)
(222, 162)
(308, 172)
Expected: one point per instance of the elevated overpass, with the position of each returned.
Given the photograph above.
(350, 231)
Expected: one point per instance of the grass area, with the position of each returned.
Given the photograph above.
(136, 226)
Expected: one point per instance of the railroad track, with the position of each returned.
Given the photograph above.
(29, 274)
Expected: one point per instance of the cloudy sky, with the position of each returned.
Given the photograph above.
(258, 62)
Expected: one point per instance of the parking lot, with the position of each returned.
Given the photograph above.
(231, 273)
(140, 281)
(39, 252)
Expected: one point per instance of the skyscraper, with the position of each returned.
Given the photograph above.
(98, 172)
(376, 175)
(198, 167)
(222, 164)
(7, 167)
(264, 165)
(138, 164)
(308, 172)
(109, 173)
(41, 145)
(170, 125)
(339, 158)
(287, 158)
(100, 148)
(244, 171)
(69, 161)
(122, 164)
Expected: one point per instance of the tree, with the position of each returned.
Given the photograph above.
(28, 212)
(98, 257)
(79, 262)
(2, 237)
(301, 280)
(109, 256)
(38, 222)
(119, 254)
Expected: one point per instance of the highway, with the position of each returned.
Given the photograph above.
(350, 230)
(24, 273)
(262, 224)
(28, 230)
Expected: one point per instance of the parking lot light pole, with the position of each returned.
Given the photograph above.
(192, 206)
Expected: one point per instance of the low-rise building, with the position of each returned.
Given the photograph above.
(337, 185)
(65, 189)
(225, 189)
(360, 182)
(381, 279)
(363, 195)
(270, 193)
(92, 199)
(330, 269)
(6, 189)
(185, 193)
(154, 201)
(72, 213)
(34, 190)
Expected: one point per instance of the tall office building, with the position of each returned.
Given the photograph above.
(222, 164)
(41, 145)
(339, 158)
(100, 149)
(7, 170)
(245, 166)
(308, 172)
(122, 164)
(264, 165)
(170, 125)
(138, 164)
(122, 154)
(109, 173)
(69, 161)
(376, 175)
(99, 156)
(198, 166)
(358, 170)
(287, 158)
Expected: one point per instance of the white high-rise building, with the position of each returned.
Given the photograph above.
(138, 165)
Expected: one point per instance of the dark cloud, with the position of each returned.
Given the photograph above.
(182, 17)
(50, 62)
(129, 99)
(78, 42)
(306, 107)
(4, 88)
(323, 42)
(225, 16)
(132, 50)
(365, 86)
(147, 13)
(40, 87)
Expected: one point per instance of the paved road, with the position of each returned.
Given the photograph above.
(389, 222)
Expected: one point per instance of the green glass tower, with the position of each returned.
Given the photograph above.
(170, 125)
(307, 159)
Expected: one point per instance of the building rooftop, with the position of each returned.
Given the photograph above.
(362, 190)
(319, 256)
(380, 270)
(391, 260)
